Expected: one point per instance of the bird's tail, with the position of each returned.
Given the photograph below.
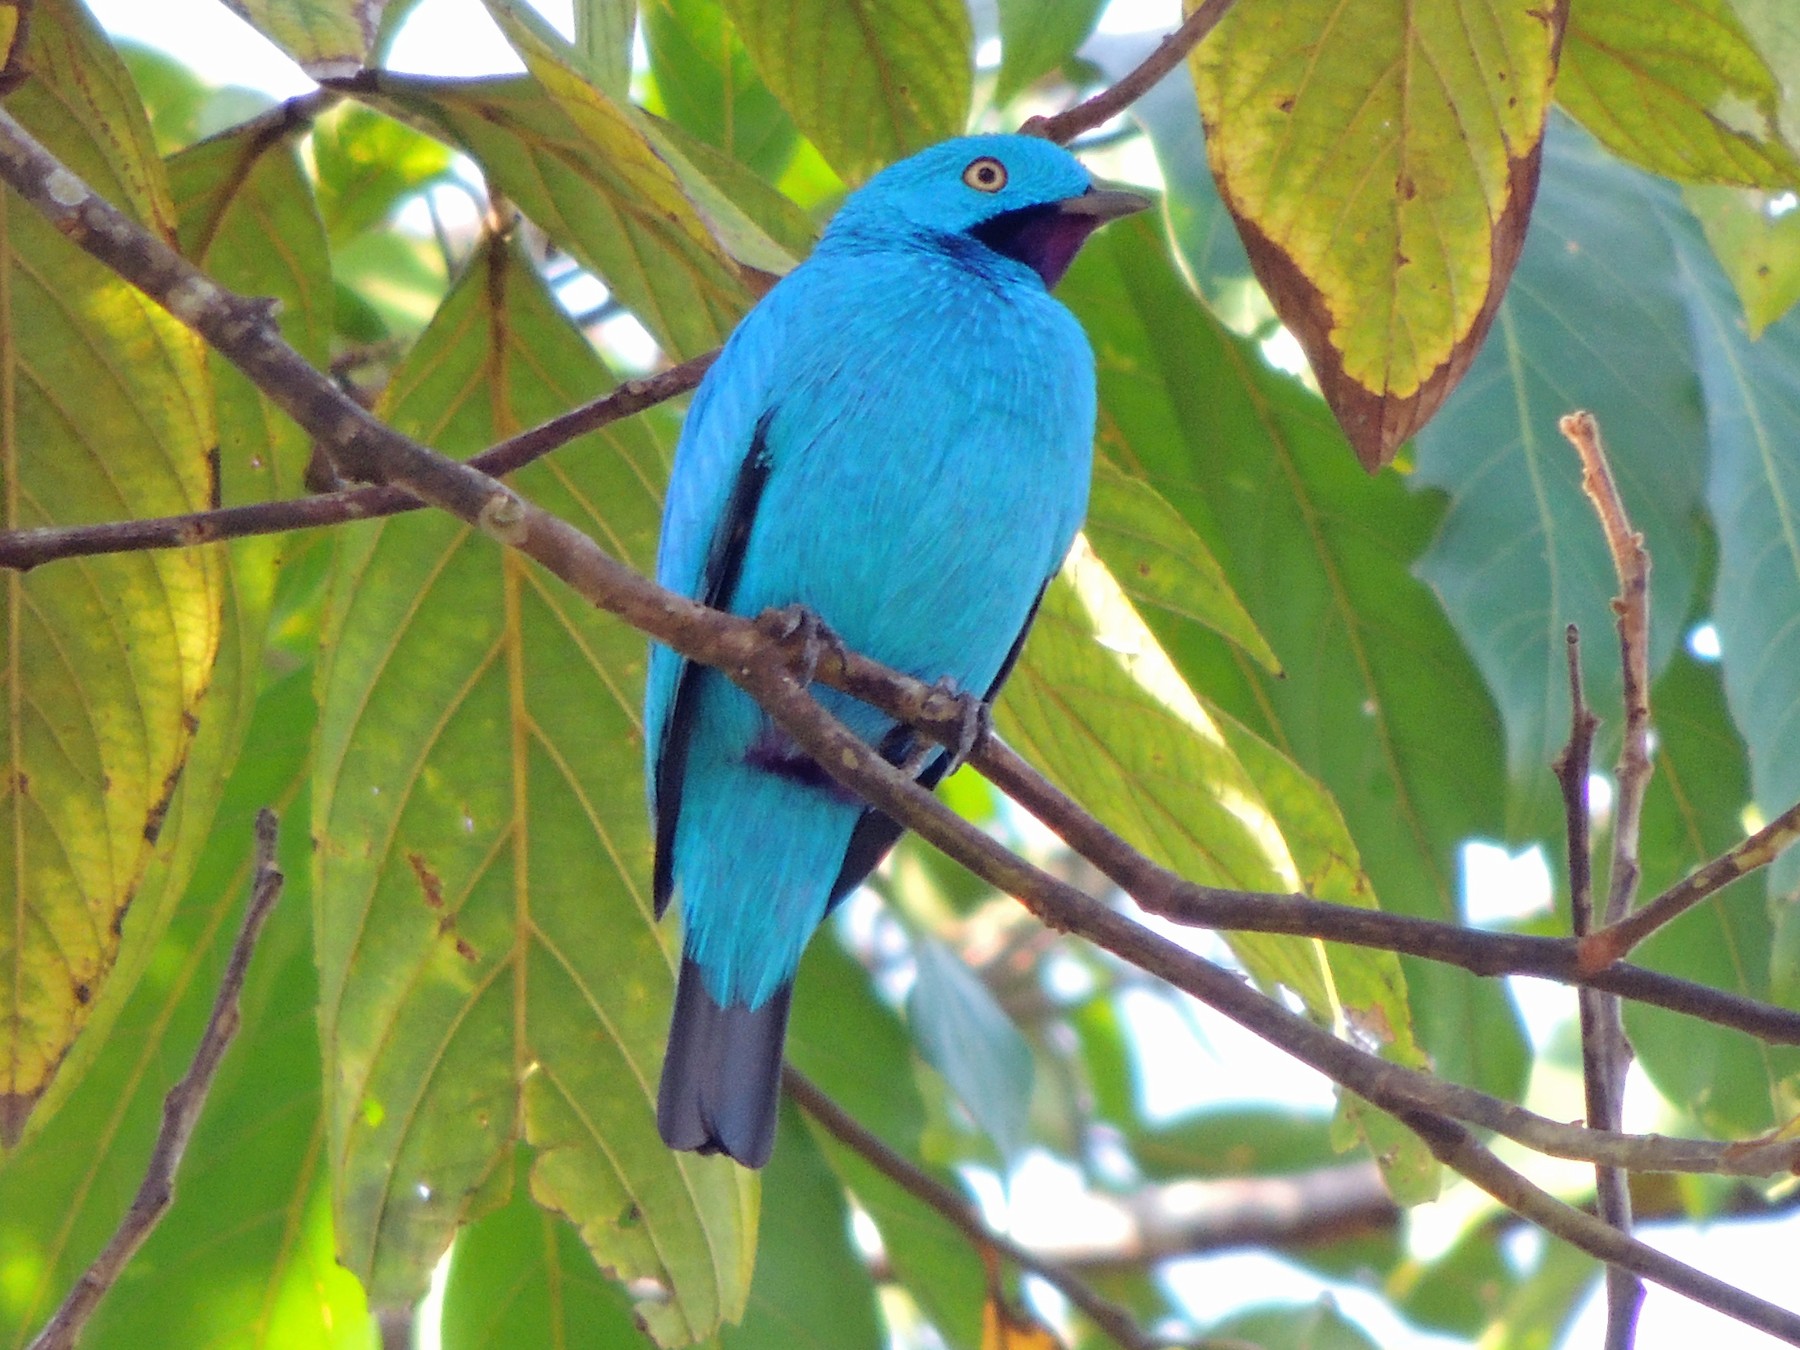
(721, 1082)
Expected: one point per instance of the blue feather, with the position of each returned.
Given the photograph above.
(899, 437)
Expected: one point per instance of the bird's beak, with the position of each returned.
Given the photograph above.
(1103, 202)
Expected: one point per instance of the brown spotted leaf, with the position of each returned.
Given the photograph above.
(106, 415)
(1380, 161)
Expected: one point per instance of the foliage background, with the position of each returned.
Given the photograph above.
(1373, 662)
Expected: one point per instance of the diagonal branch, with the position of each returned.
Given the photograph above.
(842, 1126)
(181, 1110)
(1065, 126)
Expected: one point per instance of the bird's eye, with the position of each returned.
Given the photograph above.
(986, 174)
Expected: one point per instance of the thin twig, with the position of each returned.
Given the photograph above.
(22, 550)
(1065, 126)
(1604, 1052)
(1457, 1149)
(181, 1110)
(903, 1172)
(1759, 850)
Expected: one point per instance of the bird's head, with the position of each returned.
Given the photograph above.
(1021, 197)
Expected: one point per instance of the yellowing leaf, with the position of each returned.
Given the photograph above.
(106, 415)
(490, 972)
(1380, 160)
(1007, 1328)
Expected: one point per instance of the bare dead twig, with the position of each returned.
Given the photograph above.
(842, 1126)
(181, 1110)
(1604, 1051)
(1065, 126)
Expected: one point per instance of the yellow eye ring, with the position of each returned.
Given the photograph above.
(986, 174)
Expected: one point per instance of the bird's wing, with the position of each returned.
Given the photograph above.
(876, 831)
(714, 488)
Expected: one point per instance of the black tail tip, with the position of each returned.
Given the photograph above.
(721, 1081)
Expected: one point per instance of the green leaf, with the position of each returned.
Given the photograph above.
(1314, 1326)
(603, 32)
(1377, 699)
(328, 38)
(1677, 88)
(704, 82)
(966, 1035)
(811, 1287)
(1236, 1142)
(488, 961)
(1160, 561)
(752, 221)
(1413, 131)
(108, 416)
(1733, 1085)
(1521, 554)
(1753, 425)
(520, 1277)
(839, 1030)
(254, 1167)
(1758, 247)
(867, 81)
(1037, 36)
(598, 188)
(367, 165)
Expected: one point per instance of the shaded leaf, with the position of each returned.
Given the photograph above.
(752, 221)
(597, 189)
(1677, 88)
(811, 1287)
(1237, 1142)
(1755, 235)
(488, 961)
(966, 1035)
(1520, 553)
(1753, 427)
(1380, 162)
(520, 1277)
(1315, 1326)
(867, 81)
(603, 32)
(1377, 698)
(328, 38)
(1732, 1085)
(854, 1047)
(1037, 36)
(108, 416)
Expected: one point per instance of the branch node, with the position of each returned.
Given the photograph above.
(503, 517)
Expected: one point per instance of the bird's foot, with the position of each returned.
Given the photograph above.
(805, 633)
(974, 719)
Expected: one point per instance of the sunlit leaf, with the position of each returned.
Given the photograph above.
(488, 962)
(603, 32)
(107, 416)
(329, 38)
(705, 83)
(367, 165)
(1380, 161)
(868, 81)
(599, 190)
(1677, 88)
(1755, 235)
(1377, 699)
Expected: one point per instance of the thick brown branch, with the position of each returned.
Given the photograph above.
(842, 1126)
(181, 1109)
(1457, 1149)
(1065, 126)
(22, 550)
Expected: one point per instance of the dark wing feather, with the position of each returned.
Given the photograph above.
(876, 831)
(718, 586)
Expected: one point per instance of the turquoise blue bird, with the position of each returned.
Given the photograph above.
(898, 438)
